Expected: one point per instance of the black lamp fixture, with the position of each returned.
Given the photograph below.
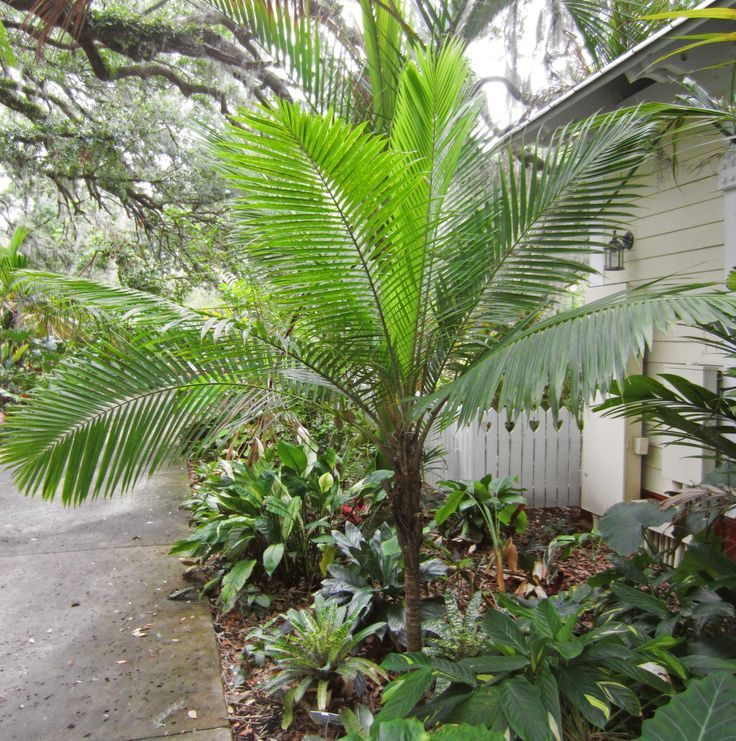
(615, 250)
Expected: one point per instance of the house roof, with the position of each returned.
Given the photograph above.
(634, 73)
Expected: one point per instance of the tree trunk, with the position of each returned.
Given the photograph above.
(406, 507)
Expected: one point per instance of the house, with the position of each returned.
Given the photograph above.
(685, 227)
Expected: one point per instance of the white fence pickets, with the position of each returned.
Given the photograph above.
(545, 456)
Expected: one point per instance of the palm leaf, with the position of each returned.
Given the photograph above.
(383, 26)
(113, 415)
(124, 408)
(588, 347)
(435, 115)
(113, 303)
(524, 247)
(465, 19)
(11, 260)
(316, 62)
(317, 217)
(613, 28)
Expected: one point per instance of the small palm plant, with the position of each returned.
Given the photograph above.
(318, 649)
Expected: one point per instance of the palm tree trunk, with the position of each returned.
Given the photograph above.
(407, 511)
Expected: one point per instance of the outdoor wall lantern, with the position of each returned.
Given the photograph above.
(615, 250)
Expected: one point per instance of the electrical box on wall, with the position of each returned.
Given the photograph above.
(682, 463)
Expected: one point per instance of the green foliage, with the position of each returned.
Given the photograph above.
(356, 341)
(28, 350)
(371, 581)
(270, 514)
(25, 361)
(316, 652)
(403, 258)
(624, 525)
(111, 173)
(538, 671)
(694, 601)
(487, 505)
(611, 28)
(7, 56)
(485, 508)
(705, 710)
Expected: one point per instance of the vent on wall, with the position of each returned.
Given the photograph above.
(683, 464)
(661, 541)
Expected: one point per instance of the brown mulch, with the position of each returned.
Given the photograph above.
(255, 716)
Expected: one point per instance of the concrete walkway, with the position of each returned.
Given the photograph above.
(90, 647)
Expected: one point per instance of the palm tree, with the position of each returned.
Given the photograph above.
(421, 270)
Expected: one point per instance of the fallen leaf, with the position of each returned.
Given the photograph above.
(511, 555)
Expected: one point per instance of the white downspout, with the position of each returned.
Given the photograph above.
(727, 179)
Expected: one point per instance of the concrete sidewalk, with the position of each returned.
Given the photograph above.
(90, 647)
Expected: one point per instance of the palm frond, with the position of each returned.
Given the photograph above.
(587, 347)
(612, 28)
(519, 248)
(113, 303)
(545, 217)
(318, 208)
(123, 408)
(383, 30)
(465, 19)
(316, 60)
(436, 114)
(530, 242)
(11, 260)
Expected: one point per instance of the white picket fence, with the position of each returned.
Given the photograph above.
(545, 456)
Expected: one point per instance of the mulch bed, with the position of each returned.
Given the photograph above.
(254, 715)
(257, 717)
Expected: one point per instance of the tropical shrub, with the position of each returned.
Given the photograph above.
(485, 507)
(314, 650)
(268, 515)
(540, 673)
(694, 601)
(27, 350)
(371, 582)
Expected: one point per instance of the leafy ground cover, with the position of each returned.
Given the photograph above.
(533, 627)
(254, 714)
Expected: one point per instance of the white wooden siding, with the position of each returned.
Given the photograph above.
(543, 455)
(679, 234)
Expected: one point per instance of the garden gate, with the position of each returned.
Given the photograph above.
(544, 455)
